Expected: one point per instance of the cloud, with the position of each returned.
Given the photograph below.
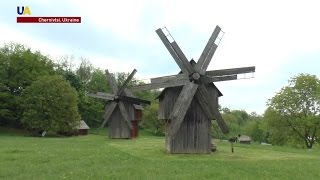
(280, 38)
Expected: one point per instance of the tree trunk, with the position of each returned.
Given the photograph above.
(309, 143)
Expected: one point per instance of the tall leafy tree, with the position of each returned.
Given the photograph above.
(84, 71)
(19, 67)
(293, 114)
(50, 104)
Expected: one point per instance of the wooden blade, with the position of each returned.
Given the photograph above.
(125, 84)
(125, 114)
(202, 99)
(168, 45)
(223, 126)
(128, 93)
(208, 59)
(112, 82)
(209, 79)
(171, 78)
(202, 65)
(134, 100)
(163, 82)
(108, 111)
(101, 95)
(232, 71)
(209, 109)
(182, 57)
(181, 107)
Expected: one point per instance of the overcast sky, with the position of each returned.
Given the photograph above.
(280, 38)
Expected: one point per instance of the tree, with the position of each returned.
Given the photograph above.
(150, 118)
(255, 130)
(98, 82)
(19, 67)
(91, 110)
(85, 71)
(294, 112)
(50, 104)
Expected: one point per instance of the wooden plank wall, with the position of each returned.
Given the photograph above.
(194, 135)
(118, 127)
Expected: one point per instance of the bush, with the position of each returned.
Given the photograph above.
(50, 104)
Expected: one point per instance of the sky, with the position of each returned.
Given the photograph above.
(279, 38)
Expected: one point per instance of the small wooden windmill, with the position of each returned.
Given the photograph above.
(190, 99)
(122, 110)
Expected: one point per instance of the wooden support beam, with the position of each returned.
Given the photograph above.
(167, 43)
(224, 72)
(223, 126)
(211, 79)
(200, 68)
(202, 99)
(125, 115)
(126, 82)
(108, 111)
(102, 95)
(205, 104)
(112, 82)
(181, 106)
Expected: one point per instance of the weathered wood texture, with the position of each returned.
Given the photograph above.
(173, 53)
(208, 52)
(194, 134)
(118, 127)
(181, 106)
(232, 71)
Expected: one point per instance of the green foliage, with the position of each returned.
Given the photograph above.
(255, 130)
(150, 113)
(50, 104)
(6, 105)
(121, 78)
(84, 71)
(98, 82)
(19, 67)
(91, 110)
(150, 119)
(293, 114)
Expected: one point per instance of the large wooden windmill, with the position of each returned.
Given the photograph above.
(190, 99)
(122, 110)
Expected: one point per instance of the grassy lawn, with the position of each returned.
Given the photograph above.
(97, 157)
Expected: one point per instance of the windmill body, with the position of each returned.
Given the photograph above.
(194, 134)
(190, 99)
(123, 110)
(118, 128)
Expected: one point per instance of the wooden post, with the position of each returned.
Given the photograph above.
(231, 146)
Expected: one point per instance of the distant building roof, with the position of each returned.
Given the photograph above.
(83, 125)
(244, 138)
(136, 106)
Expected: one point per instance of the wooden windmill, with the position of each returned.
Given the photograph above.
(122, 110)
(190, 99)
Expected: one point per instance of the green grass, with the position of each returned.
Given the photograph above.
(97, 157)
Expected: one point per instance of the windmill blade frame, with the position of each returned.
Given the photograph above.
(202, 65)
(112, 82)
(126, 82)
(231, 71)
(108, 111)
(124, 113)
